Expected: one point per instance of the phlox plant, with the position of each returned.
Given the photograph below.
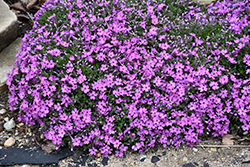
(114, 75)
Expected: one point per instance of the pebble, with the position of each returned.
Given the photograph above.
(206, 164)
(9, 142)
(2, 111)
(155, 159)
(42, 136)
(195, 149)
(20, 124)
(25, 165)
(9, 125)
(245, 133)
(142, 157)
(213, 150)
(6, 119)
(185, 159)
(27, 141)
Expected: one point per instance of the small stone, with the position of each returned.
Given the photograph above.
(213, 150)
(20, 125)
(245, 133)
(155, 159)
(195, 149)
(6, 119)
(25, 165)
(105, 161)
(142, 157)
(9, 142)
(189, 152)
(42, 136)
(185, 159)
(19, 145)
(2, 111)
(164, 153)
(142, 160)
(27, 141)
(9, 125)
(206, 164)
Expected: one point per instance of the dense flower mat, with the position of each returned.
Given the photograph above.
(116, 75)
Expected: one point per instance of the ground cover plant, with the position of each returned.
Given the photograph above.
(116, 75)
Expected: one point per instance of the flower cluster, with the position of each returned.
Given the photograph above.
(114, 75)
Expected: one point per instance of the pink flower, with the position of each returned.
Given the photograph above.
(223, 79)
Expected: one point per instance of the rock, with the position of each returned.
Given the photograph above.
(8, 25)
(105, 161)
(195, 149)
(142, 157)
(185, 159)
(213, 150)
(6, 119)
(7, 59)
(20, 125)
(9, 125)
(42, 136)
(9, 142)
(2, 111)
(206, 164)
(164, 153)
(245, 133)
(155, 159)
(25, 165)
(27, 141)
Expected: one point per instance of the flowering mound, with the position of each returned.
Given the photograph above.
(114, 75)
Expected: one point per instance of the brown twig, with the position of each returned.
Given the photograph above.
(3, 157)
